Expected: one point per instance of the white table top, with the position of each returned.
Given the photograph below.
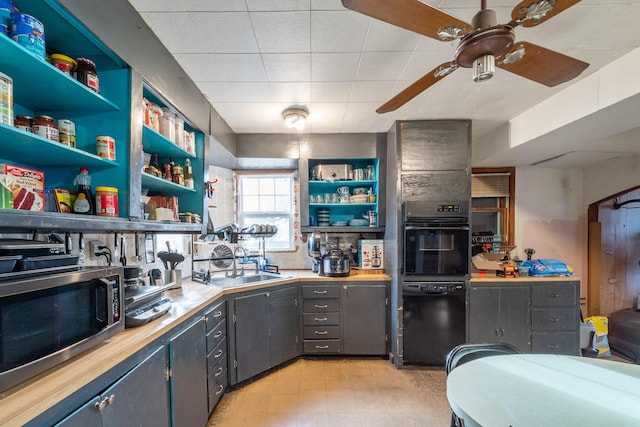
(545, 390)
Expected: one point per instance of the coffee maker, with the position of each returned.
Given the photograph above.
(316, 249)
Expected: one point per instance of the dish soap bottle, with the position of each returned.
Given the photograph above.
(82, 188)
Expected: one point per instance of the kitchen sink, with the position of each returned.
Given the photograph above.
(247, 279)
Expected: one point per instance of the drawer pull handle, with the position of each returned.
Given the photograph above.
(220, 389)
(555, 295)
(217, 314)
(321, 319)
(321, 332)
(218, 354)
(220, 370)
(555, 320)
(554, 346)
(321, 306)
(322, 347)
(217, 334)
(320, 292)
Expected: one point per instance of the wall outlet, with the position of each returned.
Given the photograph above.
(93, 247)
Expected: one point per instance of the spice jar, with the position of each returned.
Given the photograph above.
(46, 127)
(86, 74)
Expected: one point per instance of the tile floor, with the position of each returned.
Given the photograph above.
(338, 393)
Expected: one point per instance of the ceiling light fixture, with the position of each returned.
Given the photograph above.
(295, 117)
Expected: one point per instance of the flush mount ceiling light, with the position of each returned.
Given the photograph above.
(295, 117)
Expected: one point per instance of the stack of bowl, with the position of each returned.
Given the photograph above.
(324, 217)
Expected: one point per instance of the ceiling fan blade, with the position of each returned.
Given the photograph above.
(426, 81)
(541, 65)
(412, 15)
(534, 12)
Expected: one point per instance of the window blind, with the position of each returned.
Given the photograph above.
(490, 185)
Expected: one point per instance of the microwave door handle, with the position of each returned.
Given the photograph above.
(103, 294)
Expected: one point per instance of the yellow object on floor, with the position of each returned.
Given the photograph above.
(601, 340)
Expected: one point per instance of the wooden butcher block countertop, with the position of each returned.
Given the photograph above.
(35, 396)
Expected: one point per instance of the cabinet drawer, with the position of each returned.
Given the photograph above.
(320, 305)
(216, 335)
(322, 346)
(310, 319)
(554, 295)
(215, 316)
(217, 375)
(554, 319)
(216, 355)
(555, 343)
(321, 332)
(217, 383)
(309, 292)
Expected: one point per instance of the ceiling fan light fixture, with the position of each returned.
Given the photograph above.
(484, 68)
(295, 118)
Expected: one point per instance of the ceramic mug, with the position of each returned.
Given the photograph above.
(343, 191)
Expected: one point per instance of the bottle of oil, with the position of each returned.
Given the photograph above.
(188, 174)
(84, 203)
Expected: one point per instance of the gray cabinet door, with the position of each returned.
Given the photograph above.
(251, 335)
(188, 361)
(139, 398)
(364, 314)
(499, 314)
(283, 325)
(514, 316)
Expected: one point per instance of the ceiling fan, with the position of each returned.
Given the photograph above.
(484, 44)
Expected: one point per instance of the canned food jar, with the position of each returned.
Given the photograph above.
(6, 100)
(29, 33)
(106, 201)
(106, 147)
(63, 63)
(67, 132)
(86, 74)
(23, 122)
(46, 127)
(6, 8)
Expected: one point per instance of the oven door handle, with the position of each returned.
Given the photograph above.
(426, 228)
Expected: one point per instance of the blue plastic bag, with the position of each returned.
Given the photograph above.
(549, 267)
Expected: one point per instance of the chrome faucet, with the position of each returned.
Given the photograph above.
(244, 257)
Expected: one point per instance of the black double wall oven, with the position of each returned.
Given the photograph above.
(434, 275)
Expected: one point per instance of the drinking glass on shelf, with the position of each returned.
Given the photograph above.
(319, 198)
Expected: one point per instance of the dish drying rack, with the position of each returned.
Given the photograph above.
(222, 255)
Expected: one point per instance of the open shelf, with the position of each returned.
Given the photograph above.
(155, 143)
(159, 185)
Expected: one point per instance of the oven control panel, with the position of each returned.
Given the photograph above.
(434, 288)
(448, 208)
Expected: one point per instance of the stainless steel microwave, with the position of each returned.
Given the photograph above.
(49, 317)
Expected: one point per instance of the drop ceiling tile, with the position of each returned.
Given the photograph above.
(223, 67)
(293, 93)
(284, 32)
(330, 67)
(378, 91)
(326, 5)
(176, 31)
(277, 5)
(225, 32)
(338, 31)
(295, 67)
(386, 37)
(382, 65)
(237, 91)
(187, 5)
(325, 117)
(243, 117)
(361, 116)
(330, 91)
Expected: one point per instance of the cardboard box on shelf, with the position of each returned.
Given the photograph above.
(26, 185)
(485, 261)
(371, 254)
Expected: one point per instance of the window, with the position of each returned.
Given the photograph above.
(267, 198)
(492, 209)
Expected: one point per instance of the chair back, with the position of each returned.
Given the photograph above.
(466, 352)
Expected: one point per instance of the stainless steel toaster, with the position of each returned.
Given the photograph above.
(330, 172)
